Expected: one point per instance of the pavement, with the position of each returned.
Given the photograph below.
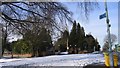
(100, 65)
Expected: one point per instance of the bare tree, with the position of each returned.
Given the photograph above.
(87, 7)
(22, 15)
(113, 38)
(106, 44)
(6, 33)
(52, 12)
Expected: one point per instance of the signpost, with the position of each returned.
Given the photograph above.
(109, 37)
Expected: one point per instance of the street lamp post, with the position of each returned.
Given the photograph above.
(67, 45)
(12, 50)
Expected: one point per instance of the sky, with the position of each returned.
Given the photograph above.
(97, 27)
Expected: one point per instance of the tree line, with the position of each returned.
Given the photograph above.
(32, 43)
(76, 41)
(39, 43)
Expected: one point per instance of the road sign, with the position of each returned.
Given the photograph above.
(102, 16)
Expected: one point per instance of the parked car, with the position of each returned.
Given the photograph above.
(97, 52)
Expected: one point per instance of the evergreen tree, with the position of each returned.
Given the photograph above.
(91, 42)
(40, 41)
(78, 36)
(83, 32)
(97, 46)
(62, 42)
(20, 47)
(72, 37)
(44, 42)
(83, 38)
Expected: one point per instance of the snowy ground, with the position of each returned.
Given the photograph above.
(55, 60)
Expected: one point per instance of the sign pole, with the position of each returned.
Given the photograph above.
(109, 37)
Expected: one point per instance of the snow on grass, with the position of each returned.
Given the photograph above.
(72, 60)
(8, 60)
(55, 60)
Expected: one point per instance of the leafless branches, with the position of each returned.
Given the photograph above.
(49, 14)
(86, 7)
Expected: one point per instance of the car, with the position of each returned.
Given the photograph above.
(97, 52)
(63, 53)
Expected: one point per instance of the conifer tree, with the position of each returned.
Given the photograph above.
(72, 37)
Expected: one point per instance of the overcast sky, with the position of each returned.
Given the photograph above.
(95, 26)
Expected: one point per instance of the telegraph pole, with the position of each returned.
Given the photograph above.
(109, 37)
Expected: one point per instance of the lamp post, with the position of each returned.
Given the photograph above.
(12, 50)
(67, 45)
